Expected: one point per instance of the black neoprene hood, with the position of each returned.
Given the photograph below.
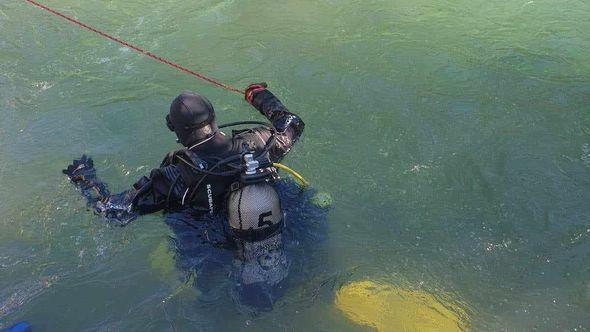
(189, 112)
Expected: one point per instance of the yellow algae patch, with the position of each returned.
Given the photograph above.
(186, 289)
(163, 265)
(389, 308)
(162, 261)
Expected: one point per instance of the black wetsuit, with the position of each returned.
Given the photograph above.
(199, 178)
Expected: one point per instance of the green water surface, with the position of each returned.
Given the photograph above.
(453, 136)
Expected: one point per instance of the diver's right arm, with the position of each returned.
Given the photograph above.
(150, 194)
(117, 209)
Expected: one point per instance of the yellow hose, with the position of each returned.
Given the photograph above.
(304, 184)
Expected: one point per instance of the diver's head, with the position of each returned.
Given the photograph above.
(191, 118)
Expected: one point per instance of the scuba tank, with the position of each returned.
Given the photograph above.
(254, 207)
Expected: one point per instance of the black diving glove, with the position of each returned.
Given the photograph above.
(83, 174)
(252, 90)
(81, 169)
(115, 208)
(264, 101)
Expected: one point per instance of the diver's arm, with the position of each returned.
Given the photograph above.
(115, 208)
(148, 195)
(289, 126)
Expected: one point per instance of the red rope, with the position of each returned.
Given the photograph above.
(140, 50)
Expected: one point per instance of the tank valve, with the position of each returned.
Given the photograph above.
(251, 164)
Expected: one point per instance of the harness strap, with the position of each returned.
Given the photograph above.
(255, 235)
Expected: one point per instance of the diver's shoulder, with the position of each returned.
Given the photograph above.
(169, 158)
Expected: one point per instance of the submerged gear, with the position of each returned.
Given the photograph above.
(260, 270)
(258, 275)
(191, 118)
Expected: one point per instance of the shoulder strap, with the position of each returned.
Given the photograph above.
(169, 158)
(187, 161)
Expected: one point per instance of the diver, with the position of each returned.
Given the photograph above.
(212, 179)
(201, 174)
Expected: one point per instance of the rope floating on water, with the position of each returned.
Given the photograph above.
(135, 48)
